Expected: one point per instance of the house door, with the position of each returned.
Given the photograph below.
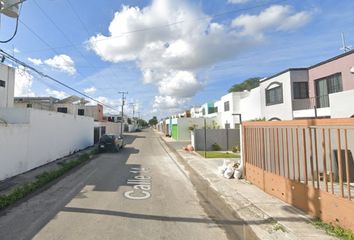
(96, 135)
(322, 93)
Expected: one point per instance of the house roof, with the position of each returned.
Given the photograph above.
(282, 72)
(332, 59)
(73, 99)
(307, 68)
(25, 99)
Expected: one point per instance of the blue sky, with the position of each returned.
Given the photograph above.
(188, 53)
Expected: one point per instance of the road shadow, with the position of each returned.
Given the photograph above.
(113, 170)
(129, 138)
(176, 219)
(107, 172)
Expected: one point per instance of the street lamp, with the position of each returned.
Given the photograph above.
(10, 7)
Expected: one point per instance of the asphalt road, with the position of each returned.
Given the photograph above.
(138, 193)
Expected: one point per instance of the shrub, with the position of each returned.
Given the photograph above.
(41, 180)
(192, 127)
(215, 147)
(235, 149)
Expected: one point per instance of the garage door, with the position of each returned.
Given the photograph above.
(174, 131)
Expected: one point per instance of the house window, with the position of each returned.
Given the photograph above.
(301, 90)
(212, 110)
(274, 95)
(81, 112)
(62, 109)
(226, 106)
(203, 111)
(2, 83)
(29, 105)
(325, 86)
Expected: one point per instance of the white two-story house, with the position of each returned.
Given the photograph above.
(7, 86)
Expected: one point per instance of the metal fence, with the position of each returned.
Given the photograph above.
(226, 139)
(311, 103)
(307, 163)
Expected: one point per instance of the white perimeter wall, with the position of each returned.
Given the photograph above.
(342, 104)
(35, 137)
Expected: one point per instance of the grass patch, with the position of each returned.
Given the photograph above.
(217, 154)
(41, 180)
(276, 225)
(334, 230)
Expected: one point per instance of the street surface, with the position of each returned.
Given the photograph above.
(138, 193)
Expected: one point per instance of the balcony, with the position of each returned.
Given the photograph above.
(311, 107)
(311, 103)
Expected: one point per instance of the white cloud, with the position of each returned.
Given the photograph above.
(90, 90)
(171, 40)
(167, 102)
(23, 83)
(237, 1)
(56, 94)
(180, 84)
(35, 61)
(62, 63)
(276, 18)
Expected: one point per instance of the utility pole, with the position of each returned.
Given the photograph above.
(133, 104)
(122, 121)
(138, 119)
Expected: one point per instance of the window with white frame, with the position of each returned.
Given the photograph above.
(274, 94)
(226, 106)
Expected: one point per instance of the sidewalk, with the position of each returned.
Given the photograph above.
(9, 184)
(269, 217)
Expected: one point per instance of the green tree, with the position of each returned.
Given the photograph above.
(142, 123)
(153, 121)
(248, 84)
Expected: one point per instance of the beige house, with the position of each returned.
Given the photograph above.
(71, 105)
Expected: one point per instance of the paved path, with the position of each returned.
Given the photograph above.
(138, 193)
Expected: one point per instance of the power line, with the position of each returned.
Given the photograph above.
(218, 15)
(78, 17)
(19, 62)
(67, 37)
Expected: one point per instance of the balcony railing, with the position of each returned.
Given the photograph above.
(310, 103)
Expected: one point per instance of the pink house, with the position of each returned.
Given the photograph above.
(324, 90)
(330, 88)
(331, 76)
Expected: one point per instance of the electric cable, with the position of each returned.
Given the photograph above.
(217, 15)
(13, 35)
(19, 62)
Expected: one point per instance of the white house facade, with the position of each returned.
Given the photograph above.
(7, 86)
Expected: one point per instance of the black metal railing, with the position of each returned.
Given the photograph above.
(311, 103)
